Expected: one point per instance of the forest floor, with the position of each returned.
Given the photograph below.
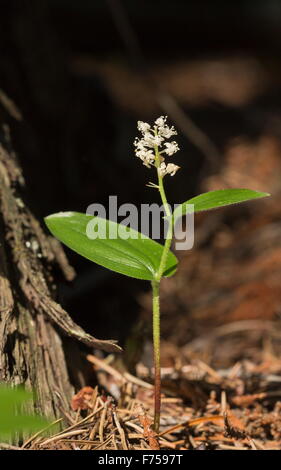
(237, 408)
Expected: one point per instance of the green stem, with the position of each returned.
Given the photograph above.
(169, 217)
(155, 296)
(156, 348)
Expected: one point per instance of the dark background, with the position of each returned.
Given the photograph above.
(83, 72)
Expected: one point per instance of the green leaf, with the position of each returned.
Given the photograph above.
(12, 419)
(137, 256)
(215, 199)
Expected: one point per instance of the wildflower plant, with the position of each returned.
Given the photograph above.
(132, 253)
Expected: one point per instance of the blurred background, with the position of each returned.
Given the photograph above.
(82, 73)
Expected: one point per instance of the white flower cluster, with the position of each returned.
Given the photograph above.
(153, 143)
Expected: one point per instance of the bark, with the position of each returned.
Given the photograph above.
(31, 321)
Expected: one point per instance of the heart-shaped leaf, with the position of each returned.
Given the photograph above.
(116, 247)
(215, 199)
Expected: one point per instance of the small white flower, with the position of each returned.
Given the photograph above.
(147, 156)
(139, 144)
(143, 126)
(172, 169)
(167, 131)
(161, 121)
(162, 128)
(151, 140)
(171, 148)
(162, 169)
(158, 140)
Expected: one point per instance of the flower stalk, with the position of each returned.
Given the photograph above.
(150, 150)
(156, 350)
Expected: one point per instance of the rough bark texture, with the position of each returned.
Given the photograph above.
(31, 351)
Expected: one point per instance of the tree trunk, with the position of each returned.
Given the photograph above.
(31, 350)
